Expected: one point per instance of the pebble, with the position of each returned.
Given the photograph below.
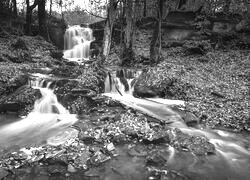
(71, 168)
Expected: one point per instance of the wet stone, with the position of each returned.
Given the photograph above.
(120, 139)
(199, 145)
(87, 139)
(71, 168)
(138, 150)
(157, 137)
(98, 158)
(81, 161)
(156, 158)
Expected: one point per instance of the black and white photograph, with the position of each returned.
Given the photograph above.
(124, 89)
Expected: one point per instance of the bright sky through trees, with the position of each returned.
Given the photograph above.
(83, 4)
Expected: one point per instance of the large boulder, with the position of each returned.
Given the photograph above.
(198, 145)
(11, 78)
(161, 82)
(76, 91)
(21, 101)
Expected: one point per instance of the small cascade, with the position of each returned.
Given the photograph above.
(119, 85)
(48, 102)
(46, 122)
(121, 82)
(77, 42)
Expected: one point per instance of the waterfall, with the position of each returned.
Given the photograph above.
(77, 42)
(46, 122)
(121, 82)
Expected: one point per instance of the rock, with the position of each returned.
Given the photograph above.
(189, 118)
(22, 100)
(138, 150)
(56, 54)
(81, 160)
(86, 138)
(71, 168)
(120, 139)
(110, 147)
(98, 158)
(201, 146)
(217, 94)
(155, 82)
(198, 145)
(156, 158)
(156, 137)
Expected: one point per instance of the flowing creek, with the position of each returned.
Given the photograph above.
(50, 122)
(45, 123)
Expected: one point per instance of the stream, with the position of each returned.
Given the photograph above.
(50, 123)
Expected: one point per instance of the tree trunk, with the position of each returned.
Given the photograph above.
(127, 54)
(155, 45)
(28, 18)
(50, 7)
(112, 11)
(226, 7)
(29, 10)
(144, 8)
(42, 19)
(14, 7)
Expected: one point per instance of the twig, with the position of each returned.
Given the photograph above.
(94, 14)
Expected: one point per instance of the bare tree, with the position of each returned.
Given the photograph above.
(144, 8)
(155, 45)
(14, 7)
(50, 7)
(42, 19)
(108, 30)
(29, 10)
(127, 54)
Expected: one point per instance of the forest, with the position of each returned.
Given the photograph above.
(124, 89)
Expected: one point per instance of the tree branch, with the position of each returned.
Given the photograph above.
(34, 5)
(94, 14)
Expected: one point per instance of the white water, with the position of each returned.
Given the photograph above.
(230, 148)
(77, 42)
(151, 106)
(45, 123)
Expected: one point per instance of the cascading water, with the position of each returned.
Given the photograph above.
(49, 121)
(119, 86)
(77, 42)
(232, 158)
